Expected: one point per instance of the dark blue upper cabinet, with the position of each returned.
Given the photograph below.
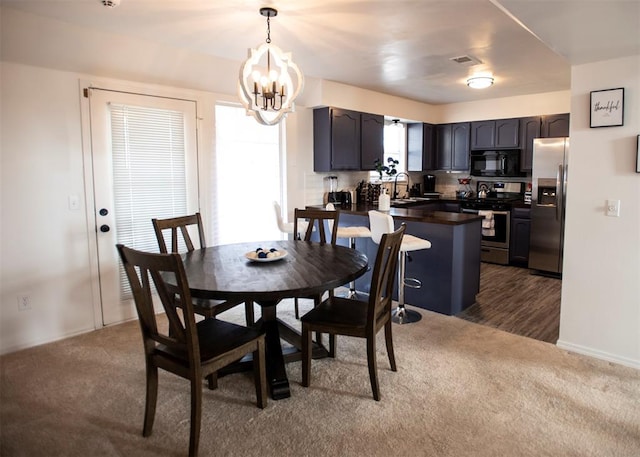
(555, 125)
(483, 135)
(372, 140)
(452, 146)
(346, 140)
(529, 130)
(495, 134)
(507, 133)
(421, 147)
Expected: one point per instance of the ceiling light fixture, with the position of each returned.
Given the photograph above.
(269, 80)
(480, 82)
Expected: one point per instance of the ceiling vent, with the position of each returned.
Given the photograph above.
(466, 60)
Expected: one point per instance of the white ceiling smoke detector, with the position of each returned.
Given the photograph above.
(110, 3)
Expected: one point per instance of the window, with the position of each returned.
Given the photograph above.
(395, 146)
(247, 178)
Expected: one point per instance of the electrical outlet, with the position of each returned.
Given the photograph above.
(613, 208)
(24, 302)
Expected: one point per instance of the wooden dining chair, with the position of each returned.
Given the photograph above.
(192, 350)
(315, 219)
(363, 319)
(179, 229)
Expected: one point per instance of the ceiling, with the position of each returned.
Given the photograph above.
(397, 47)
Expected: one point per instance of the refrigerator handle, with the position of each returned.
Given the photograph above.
(559, 190)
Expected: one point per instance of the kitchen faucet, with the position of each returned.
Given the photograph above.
(395, 183)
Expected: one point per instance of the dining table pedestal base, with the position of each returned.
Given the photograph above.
(276, 371)
(276, 355)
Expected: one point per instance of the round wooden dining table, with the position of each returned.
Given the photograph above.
(308, 268)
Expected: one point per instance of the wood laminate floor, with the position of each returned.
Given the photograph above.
(516, 301)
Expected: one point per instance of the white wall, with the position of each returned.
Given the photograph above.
(349, 97)
(507, 107)
(44, 243)
(600, 312)
(46, 246)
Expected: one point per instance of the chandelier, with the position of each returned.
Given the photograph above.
(269, 80)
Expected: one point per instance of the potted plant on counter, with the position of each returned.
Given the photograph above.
(389, 169)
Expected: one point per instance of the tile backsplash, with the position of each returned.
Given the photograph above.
(447, 183)
(316, 185)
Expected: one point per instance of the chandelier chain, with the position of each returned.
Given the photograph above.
(268, 29)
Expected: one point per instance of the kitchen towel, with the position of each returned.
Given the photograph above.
(488, 223)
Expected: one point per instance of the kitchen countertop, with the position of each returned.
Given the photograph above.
(416, 215)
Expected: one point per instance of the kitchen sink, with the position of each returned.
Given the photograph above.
(403, 201)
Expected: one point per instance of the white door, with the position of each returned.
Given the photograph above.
(144, 157)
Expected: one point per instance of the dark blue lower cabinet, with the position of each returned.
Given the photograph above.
(449, 271)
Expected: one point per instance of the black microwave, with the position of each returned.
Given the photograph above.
(496, 163)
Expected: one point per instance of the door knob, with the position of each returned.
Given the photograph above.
(104, 228)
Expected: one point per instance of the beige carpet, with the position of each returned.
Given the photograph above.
(462, 389)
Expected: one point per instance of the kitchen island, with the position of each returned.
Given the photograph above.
(449, 271)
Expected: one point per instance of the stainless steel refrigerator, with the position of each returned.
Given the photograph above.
(548, 196)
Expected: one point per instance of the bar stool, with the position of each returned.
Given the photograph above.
(287, 227)
(383, 223)
(351, 233)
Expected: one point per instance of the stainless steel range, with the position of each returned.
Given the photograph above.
(495, 206)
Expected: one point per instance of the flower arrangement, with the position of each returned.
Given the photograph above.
(389, 169)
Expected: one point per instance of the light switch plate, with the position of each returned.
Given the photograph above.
(613, 208)
(74, 202)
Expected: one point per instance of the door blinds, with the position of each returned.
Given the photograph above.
(149, 179)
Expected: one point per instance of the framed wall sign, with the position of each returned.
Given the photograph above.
(638, 155)
(607, 108)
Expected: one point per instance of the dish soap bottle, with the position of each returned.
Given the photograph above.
(384, 201)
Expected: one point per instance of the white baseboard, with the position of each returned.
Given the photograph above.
(30, 344)
(599, 354)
